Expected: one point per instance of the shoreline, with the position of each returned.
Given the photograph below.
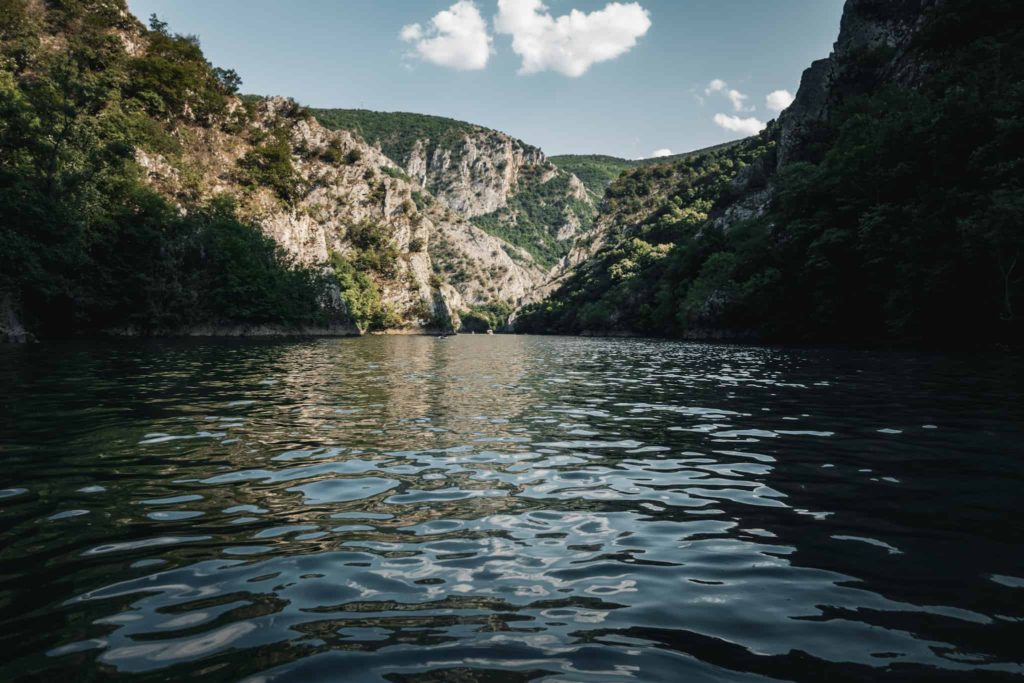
(231, 332)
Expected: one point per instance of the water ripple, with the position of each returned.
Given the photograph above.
(509, 508)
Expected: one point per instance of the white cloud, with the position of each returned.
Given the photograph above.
(747, 127)
(456, 38)
(571, 43)
(779, 100)
(738, 100)
(716, 85)
(412, 32)
(658, 153)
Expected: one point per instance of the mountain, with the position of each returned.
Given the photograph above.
(502, 185)
(140, 194)
(883, 206)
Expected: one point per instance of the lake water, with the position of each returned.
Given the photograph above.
(509, 509)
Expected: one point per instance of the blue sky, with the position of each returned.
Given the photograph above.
(625, 80)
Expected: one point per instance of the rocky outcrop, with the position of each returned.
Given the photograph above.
(502, 185)
(446, 315)
(12, 331)
(476, 175)
(874, 46)
(485, 174)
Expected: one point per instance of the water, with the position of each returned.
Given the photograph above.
(509, 508)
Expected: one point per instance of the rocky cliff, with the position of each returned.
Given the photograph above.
(503, 185)
(342, 185)
(476, 174)
(874, 47)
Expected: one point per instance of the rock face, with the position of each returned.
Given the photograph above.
(874, 46)
(503, 185)
(345, 182)
(12, 331)
(491, 176)
(476, 175)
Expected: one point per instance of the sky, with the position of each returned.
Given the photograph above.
(629, 79)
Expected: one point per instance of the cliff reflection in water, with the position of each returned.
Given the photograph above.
(389, 508)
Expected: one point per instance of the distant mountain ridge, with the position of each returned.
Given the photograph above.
(599, 171)
(396, 133)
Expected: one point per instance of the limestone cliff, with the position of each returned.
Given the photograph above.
(342, 183)
(476, 174)
(503, 185)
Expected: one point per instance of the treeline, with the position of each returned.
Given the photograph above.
(906, 225)
(397, 132)
(84, 243)
(599, 171)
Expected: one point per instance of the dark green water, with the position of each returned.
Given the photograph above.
(509, 508)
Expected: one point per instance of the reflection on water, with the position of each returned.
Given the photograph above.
(509, 508)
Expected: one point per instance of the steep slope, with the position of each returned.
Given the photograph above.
(503, 185)
(350, 205)
(164, 202)
(648, 213)
(884, 205)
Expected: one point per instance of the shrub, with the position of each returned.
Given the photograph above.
(270, 165)
(333, 153)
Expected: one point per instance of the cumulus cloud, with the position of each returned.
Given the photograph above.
(779, 100)
(738, 99)
(658, 153)
(736, 124)
(572, 43)
(717, 85)
(456, 38)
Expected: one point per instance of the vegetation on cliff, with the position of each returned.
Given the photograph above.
(85, 244)
(902, 222)
(634, 283)
(539, 209)
(537, 214)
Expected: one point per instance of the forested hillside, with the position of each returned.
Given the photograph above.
(885, 205)
(84, 242)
